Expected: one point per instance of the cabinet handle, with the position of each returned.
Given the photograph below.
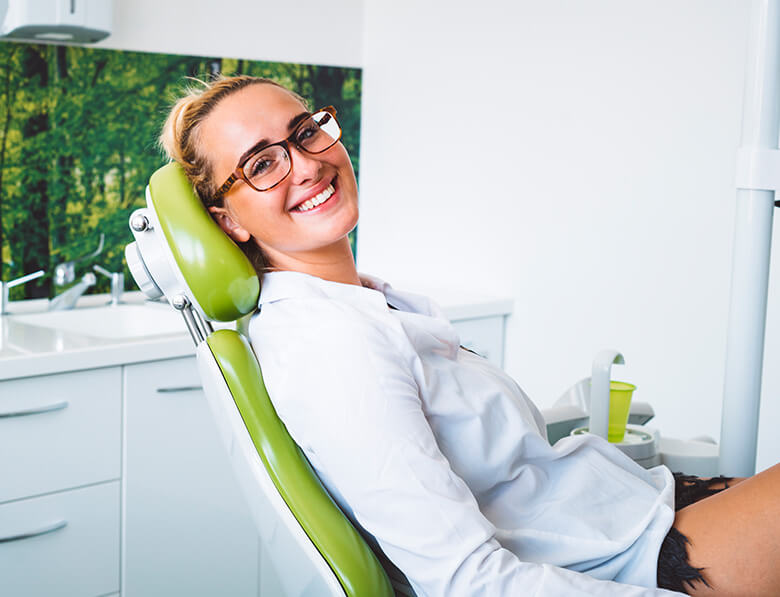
(56, 526)
(178, 389)
(35, 410)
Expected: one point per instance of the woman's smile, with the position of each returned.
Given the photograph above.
(319, 202)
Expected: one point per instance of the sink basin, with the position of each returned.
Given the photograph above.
(121, 321)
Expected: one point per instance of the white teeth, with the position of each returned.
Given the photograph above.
(317, 200)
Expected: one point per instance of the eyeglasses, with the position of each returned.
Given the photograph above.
(269, 165)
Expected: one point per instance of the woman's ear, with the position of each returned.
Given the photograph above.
(232, 228)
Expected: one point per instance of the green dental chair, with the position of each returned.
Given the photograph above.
(179, 252)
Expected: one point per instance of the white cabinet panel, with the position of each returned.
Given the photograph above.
(483, 335)
(79, 559)
(187, 530)
(59, 431)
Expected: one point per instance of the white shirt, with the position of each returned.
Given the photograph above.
(442, 458)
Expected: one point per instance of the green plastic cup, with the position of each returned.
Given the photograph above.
(619, 404)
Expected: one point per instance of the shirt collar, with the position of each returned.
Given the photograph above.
(374, 292)
(282, 285)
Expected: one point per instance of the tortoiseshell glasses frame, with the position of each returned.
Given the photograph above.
(318, 141)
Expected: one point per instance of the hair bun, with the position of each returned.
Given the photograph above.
(172, 131)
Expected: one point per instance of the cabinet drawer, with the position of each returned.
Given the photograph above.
(483, 335)
(59, 431)
(80, 558)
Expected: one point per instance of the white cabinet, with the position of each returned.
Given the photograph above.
(483, 335)
(59, 489)
(187, 530)
(479, 321)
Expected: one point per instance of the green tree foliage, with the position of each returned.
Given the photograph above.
(78, 142)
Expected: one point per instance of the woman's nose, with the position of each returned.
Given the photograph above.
(305, 166)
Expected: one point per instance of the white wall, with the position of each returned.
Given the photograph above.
(579, 157)
(304, 31)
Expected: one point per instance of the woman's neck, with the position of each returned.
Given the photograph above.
(335, 263)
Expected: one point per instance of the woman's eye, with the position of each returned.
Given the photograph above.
(259, 167)
(307, 132)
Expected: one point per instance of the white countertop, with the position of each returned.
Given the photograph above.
(29, 346)
(27, 349)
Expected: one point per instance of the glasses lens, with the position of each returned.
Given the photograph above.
(267, 167)
(318, 132)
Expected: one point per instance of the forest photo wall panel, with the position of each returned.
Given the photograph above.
(78, 143)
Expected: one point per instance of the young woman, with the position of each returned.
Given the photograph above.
(434, 452)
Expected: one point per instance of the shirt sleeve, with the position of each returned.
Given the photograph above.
(349, 398)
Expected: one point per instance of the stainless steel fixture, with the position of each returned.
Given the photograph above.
(117, 283)
(6, 286)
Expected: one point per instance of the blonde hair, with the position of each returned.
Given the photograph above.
(180, 140)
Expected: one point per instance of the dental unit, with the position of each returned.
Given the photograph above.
(584, 408)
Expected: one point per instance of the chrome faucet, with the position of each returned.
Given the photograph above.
(117, 283)
(6, 286)
(67, 299)
(65, 273)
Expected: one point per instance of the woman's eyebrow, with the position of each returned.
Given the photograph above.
(294, 121)
(297, 119)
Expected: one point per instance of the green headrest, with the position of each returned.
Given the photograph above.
(219, 275)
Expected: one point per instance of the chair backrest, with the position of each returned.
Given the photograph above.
(181, 253)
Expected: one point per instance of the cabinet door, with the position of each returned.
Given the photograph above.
(483, 335)
(187, 530)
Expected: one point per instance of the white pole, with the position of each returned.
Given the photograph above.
(752, 243)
